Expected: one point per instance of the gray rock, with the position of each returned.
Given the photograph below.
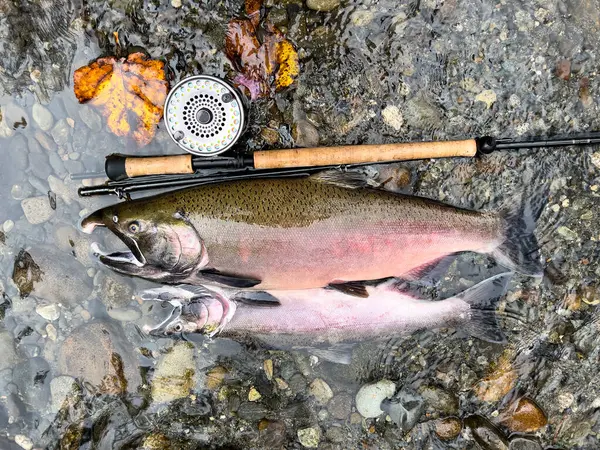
(90, 118)
(340, 406)
(486, 434)
(60, 189)
(309, 437)
(39, 164)
(62, 388)
(61, 133)
(70, 240)
(14, 116)
(175, 372)
(45, 141)
(521, 443)
(320, 390)
(404, 409)
(51, 275)
(297, 383)
(335, 434)
(113, 290)
(100, 354)
(439, 400)
(7, 350)
(32, 378)
(57, 165)
(17, 153)
(74, 166)
(323, 5)
(37, 209)
(42, 117)
(305, 134)
(370, 396)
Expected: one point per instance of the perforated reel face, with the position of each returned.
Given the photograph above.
(204, 115)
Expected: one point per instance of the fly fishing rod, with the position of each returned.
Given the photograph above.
(121, 167)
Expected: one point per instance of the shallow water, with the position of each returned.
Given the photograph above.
(75, 373)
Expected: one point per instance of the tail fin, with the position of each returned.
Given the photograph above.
(520, 249)
(483, 299)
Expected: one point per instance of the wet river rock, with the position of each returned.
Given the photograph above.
(485, 433)
(524, 415)
(99, 354)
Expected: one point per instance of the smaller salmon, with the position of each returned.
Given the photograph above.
(322, 317)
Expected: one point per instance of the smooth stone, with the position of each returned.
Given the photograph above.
(114, 290)
(57, 165)
(175, 372)
(124, 314)
(21, 191)
(309, 437)
(32, 379)
(74, 166)
(51, 332)
(49, 274)
(37, 209)
(321, 391)
(521, 443)
(42, 117)
(485, 433)
(523, 416)
(8, 225)
(15, 117)
(23, 441)
(439, 400)
(340, 406)
(392, 117)
(322, 5)
(370, 396)
(7, 350)
(45, 141)
(18, 151)
(90, 118)
(59, 188)
(448, 428)
(61, 133)
(305, 134)
(61, 388)
(100, 354)
(70, 240)
(49, 312)
(39, 164)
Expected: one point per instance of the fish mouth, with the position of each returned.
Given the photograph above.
(133, 256)
(89, 223)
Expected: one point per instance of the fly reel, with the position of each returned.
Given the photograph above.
(205, 115)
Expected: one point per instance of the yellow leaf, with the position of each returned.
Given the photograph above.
(130, 93)
(289, 68)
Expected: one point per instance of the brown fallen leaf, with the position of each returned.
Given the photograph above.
(265, 64)
(499, 382)
(523, 416)
(130, 92)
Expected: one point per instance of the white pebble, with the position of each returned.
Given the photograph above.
(8, 225)
(49, 312)
(24, 441)
(51, 332)
(370, 396)
(176, 3)
(85, 314)
(392, 117)
(37, 209)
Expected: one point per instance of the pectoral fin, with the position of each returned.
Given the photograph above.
(228, 279)
(354, 288)
(256, 298)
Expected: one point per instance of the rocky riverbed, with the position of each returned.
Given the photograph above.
(76, 373)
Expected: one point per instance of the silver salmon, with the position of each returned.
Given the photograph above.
(322, 317)
(303, 233)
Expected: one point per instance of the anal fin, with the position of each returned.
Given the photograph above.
(256, 298)
(354, 288)
(431, 272)
(228, 279)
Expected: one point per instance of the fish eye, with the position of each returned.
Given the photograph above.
(134, 227)
(178, 328)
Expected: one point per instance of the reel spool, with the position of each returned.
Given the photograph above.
(205, 115)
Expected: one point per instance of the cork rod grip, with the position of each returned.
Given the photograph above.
(355, 154)
(158, 165)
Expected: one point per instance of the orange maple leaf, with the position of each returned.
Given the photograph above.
(129, 92)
